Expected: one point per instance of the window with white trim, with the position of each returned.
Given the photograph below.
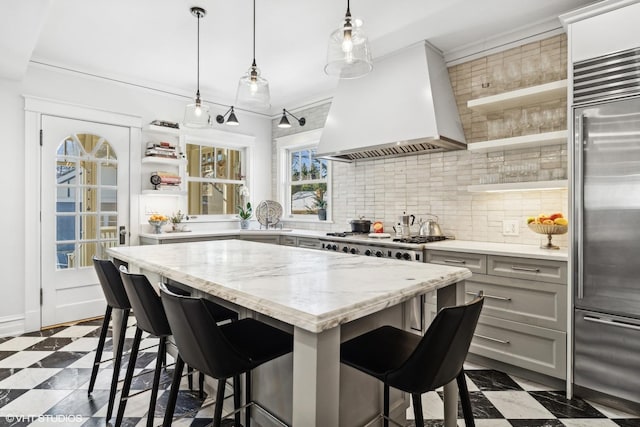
(305, 179)
(215, 176)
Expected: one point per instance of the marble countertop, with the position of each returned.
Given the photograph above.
(311, 289)
(488, 248)
(504, 249)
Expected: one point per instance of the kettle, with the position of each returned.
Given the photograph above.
(430, 227)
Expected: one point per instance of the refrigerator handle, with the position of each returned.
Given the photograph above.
(579, 202)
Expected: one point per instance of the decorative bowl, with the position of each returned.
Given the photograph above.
(549, 230)
(157, 226)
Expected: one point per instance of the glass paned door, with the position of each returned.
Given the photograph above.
(84, 201)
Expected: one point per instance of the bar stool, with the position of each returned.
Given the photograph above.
(151, 318)
(415, 364)
(221, 352)
(116, 297)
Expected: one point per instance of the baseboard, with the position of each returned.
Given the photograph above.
(11, 326)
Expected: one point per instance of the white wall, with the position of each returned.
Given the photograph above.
(101, 94)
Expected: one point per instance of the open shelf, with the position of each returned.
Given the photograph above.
(557, 184)
(163, 161)
(164, 192)
(162, 129)
(524, 141)
(520, 97)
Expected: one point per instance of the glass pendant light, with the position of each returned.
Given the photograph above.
(253, 89)
(197, 115)
(348, 54)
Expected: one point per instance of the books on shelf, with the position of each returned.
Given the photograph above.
(168, 178)
(165, 123)
(161, 149)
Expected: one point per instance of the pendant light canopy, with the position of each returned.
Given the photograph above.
(253, 89)
(197, 115)
(348, 54)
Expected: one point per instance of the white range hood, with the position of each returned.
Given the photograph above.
(404, 106)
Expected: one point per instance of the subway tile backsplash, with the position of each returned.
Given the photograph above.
(436, 183)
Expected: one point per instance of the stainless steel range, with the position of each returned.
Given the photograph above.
(406, 249)
(361, 244)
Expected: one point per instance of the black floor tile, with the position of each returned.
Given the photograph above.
(188, 402)
(633, 422)
(101, 422)
(4, 354)
(13, 422)
(7, 372)
(59, 359)
(536, 423)
(45, 332)
(557, 403)
(50, 344)
(78, 403)
(8, 396)
(490, 380)
(481, 407)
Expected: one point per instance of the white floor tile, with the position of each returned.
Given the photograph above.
(588, 422)
(23, 359)
(75, 331)
(34, 402)
(517, 404)
(28, 378)
(85, 361)
(20, 343)
(488, 423)
(82, 344)
(432, 406)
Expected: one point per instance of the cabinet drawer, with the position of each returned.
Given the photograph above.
(288, 241)
(305, 242)
(526, 268)
(535, 303)
(477, 263)
(538, 349)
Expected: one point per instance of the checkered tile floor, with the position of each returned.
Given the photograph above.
(44, 377)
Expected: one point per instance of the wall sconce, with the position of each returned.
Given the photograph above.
(232, 120)
(284, 122)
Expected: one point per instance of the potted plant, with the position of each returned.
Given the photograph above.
(245, 213)
(320, 204)
(175, 219)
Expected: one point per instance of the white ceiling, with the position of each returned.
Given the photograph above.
(153, 42)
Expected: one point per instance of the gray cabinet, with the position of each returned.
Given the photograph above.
(162, 241)
(273, 239)
(524, 317)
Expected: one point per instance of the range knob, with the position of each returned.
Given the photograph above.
(334, 247)
(399, 255)
(379, 254)
(368, 252)
(354, 250)
(327, 247)
(345, 249)
(406, 256)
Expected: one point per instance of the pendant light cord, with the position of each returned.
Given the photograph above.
(198, 56)
(254, 33)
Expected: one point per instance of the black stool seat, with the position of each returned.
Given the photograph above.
(416, 364)
(221, 352)
(151, 318)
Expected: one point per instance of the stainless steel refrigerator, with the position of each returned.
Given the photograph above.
(606, 249)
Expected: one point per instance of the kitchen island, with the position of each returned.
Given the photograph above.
(311, 293)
